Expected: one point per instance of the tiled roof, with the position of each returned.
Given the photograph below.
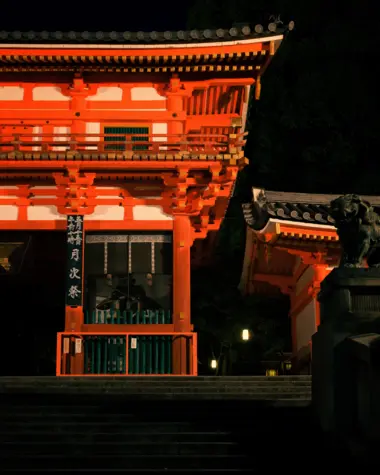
(296, 207)
(141, 37)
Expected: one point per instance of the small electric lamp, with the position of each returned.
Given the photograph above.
(271, 372)
(288, 365)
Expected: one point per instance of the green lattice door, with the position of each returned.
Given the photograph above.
(146, 354)
(122, 134)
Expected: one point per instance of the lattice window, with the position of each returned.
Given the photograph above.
(122, 134)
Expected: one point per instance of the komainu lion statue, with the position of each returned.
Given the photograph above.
(358, 227)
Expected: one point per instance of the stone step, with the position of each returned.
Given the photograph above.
(153, 379)
(248, 386)
(186, 396)
(254, 388)
(156, 388)
(50, 447)
(121, 405)
(104, 425)
(38, 408)
(160, 389)
(35, 405)
(94, 461)
(75, 433)
(50, 418)
(202, 471)
(119, 379)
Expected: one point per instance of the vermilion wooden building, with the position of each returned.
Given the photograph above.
(129, 142)
(291, 246)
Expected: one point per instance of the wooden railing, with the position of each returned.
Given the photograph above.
(118, 143)
(124, 353)
(129, 317)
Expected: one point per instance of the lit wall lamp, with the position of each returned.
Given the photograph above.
(271, 372)
(245, 335)
(214, 364)
(288, 365)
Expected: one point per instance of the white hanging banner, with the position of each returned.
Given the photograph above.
(66, 346)
(78, 345)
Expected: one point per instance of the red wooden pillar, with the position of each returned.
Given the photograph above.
(320, 273)
(176, 95)
(78, 91)
(182, 241)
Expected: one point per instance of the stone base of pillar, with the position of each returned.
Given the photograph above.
(181, 356)
(350, 309)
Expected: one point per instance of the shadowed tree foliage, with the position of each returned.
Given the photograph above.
(220, 313)
(314, 128)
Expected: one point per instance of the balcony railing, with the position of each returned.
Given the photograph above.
(124, 144)
(116, 317)
(124, 354)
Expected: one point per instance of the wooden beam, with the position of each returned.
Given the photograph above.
(90, 225)
(194, 122)
(155, 54)
(128, 328)
(90, 115)
(308, 232)
(122, 165)
(64, 116)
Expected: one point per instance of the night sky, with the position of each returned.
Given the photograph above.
(77, 16)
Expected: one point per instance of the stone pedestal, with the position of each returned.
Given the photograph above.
(350, 318)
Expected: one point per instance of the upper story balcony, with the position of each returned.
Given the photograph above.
(119, 144)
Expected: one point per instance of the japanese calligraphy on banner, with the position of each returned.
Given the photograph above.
(74, 260)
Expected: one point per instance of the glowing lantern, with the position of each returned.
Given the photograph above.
(271, 372)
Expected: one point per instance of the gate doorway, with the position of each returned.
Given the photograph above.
(32, 300)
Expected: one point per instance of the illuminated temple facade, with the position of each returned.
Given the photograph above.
(130, 143)
(291, 246)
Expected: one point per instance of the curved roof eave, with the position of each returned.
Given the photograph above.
(302, 209)
(126, 46)
(142, 39)
(305, 210)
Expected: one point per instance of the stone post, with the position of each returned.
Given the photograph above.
(350, 311)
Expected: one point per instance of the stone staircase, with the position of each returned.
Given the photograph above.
(287, 390)
(146, 425)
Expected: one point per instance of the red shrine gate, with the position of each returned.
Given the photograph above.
(133, 150)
